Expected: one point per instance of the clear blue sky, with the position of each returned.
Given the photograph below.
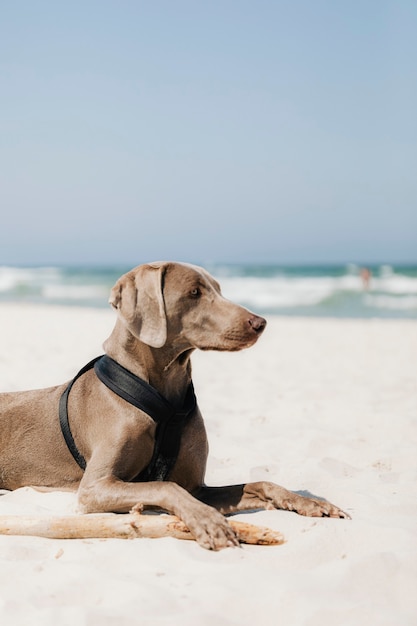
(208, 130)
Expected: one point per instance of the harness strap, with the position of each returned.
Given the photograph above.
(170, 420)
(168, 441)
(63, 416)
(133, 389)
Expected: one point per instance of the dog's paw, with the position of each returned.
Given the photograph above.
(271, 496)
(315, 507)
(210, 529)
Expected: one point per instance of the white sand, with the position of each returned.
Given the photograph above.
(320, 405)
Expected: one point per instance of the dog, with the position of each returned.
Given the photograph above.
(121, 453)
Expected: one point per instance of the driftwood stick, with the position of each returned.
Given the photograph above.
(126, 526)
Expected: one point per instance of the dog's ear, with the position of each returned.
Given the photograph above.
(138, 298)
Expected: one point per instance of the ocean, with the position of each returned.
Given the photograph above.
(309, 290)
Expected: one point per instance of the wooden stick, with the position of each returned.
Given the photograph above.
(123, 526)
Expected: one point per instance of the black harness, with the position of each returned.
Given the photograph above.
(170, 420)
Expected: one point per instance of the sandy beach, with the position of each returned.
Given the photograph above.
(320, 405)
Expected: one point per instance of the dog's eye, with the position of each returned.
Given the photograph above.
(195, 293)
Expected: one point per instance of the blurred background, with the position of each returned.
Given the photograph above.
(272, 142)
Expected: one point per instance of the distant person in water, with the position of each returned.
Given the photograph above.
(366, 275)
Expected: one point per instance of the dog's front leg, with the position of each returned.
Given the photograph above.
(265, 495)
(110, 494)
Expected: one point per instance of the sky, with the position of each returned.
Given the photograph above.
(203, 131)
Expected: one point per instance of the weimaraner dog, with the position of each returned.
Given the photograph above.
(165, 311)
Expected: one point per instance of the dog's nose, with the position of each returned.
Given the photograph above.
(258, 323)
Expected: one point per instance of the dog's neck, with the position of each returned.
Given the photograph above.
(168, 371)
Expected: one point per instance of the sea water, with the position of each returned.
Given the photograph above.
(310, 290)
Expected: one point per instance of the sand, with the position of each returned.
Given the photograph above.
(321, 405)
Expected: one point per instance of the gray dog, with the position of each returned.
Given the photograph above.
(127, 431)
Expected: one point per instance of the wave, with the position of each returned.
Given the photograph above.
(16, 278)
(398, 303)
(269, 289)
(389, 291)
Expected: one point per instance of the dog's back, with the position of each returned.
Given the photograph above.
(32, 449)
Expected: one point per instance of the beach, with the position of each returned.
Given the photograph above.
(320, 405)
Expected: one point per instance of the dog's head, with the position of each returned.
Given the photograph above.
(184, 303)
